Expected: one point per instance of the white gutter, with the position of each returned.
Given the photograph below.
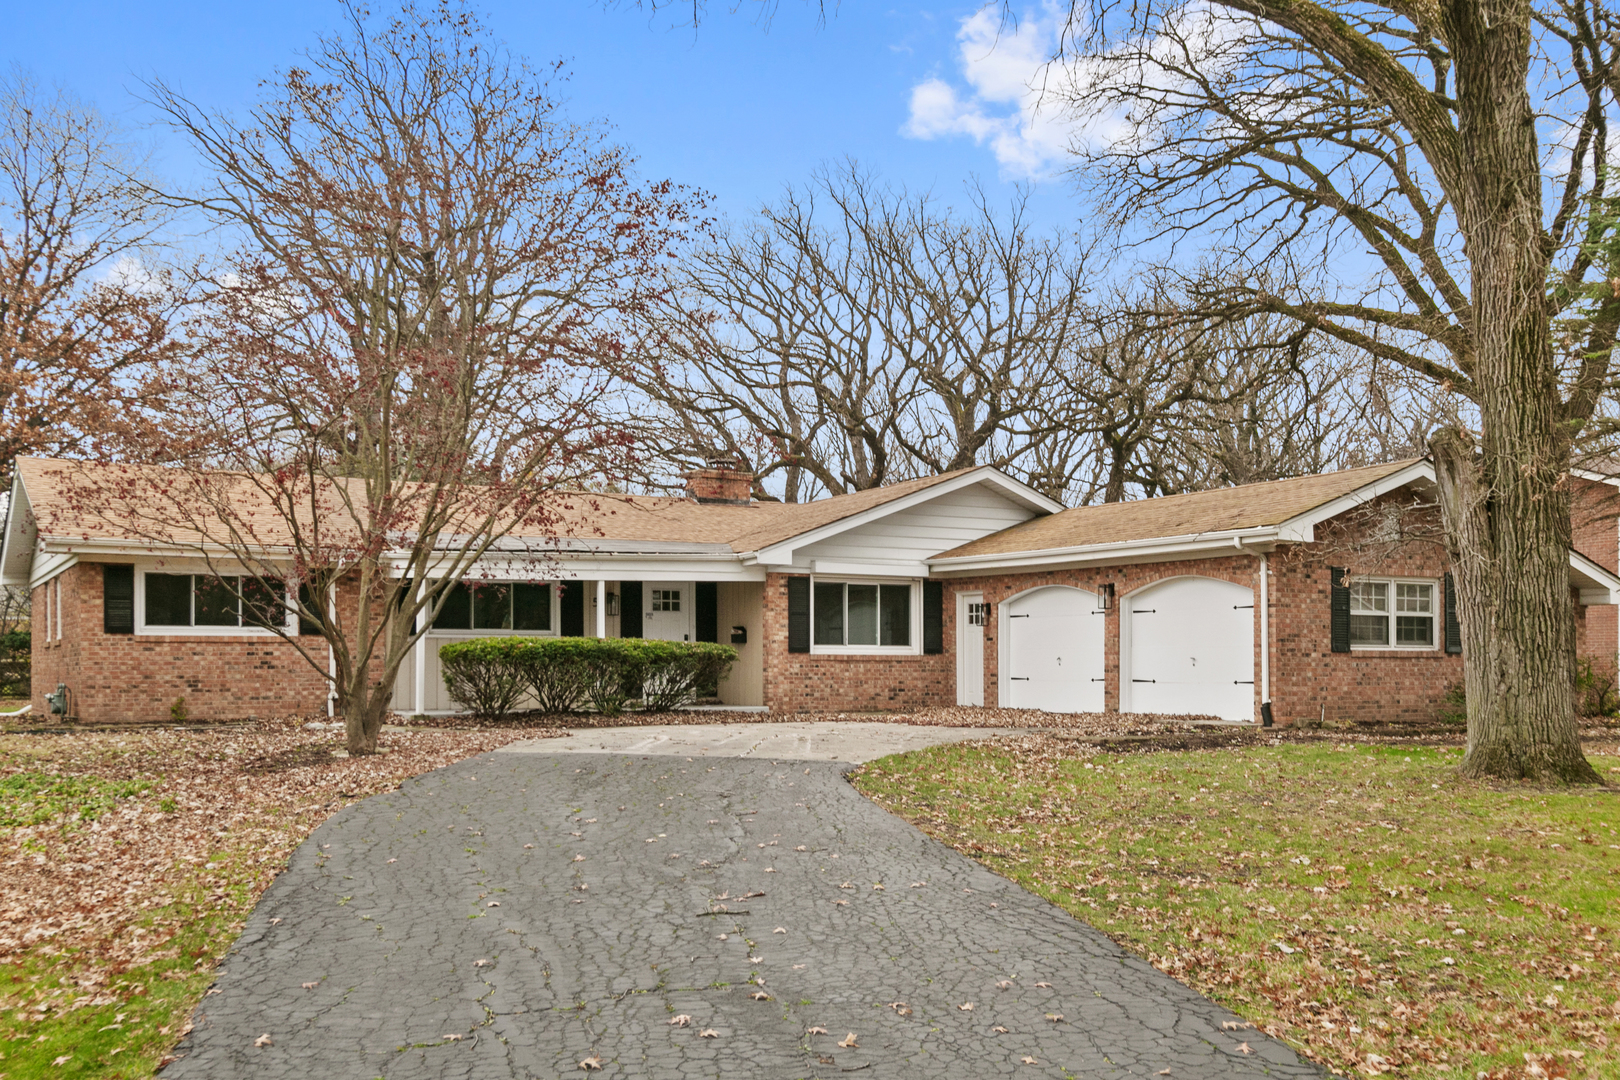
(1154, 548)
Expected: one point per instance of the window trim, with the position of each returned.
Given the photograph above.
(914, 649)
(556, 614)
(1436, 613)
(142, 629)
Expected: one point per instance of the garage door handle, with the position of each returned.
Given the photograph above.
(1242, 682)
(1018, 678)
(1099, 680)
(1138, 680)
(1242, 607)
(1144, 611)
(1018, 616)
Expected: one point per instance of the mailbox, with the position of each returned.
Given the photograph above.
(739, 635)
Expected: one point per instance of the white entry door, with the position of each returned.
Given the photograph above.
(1053, 651)
(970, 616)
(1189, 648)
(666, 610)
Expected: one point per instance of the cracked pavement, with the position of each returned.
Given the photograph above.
(516, 914)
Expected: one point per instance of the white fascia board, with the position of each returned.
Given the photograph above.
(608, 568)
(17, 548)
(781, 554)
(1166, 548)
(868, 568)
(48, 565)
(1597, 585)
(1302, 528)
(1601, 478)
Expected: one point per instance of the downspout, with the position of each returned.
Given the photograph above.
(331, 656)
(1265, 639)
(419, 659)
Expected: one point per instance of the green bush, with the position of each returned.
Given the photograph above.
(491, 675)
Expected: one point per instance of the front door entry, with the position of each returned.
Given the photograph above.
(971, 612)
(667, 610)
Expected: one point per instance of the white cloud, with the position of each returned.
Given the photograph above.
(1007, 104)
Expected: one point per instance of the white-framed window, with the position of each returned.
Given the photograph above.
(977, 614)
(855, 616)
(481, 606)
(168, 601)
(1394, 613)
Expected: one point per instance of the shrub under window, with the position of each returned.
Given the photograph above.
(495, 606)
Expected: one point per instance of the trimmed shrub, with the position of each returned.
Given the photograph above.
(491, 675)
(480, 675)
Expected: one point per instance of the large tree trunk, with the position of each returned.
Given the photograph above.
(1506, 509)
(1509, 550)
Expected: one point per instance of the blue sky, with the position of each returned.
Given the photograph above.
(926, 96)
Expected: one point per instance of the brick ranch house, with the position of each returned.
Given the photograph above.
(1324, 597)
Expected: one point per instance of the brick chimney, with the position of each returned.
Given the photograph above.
(721, 482)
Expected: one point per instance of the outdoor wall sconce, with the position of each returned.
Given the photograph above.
(612, 603)
(1105, 596)
(739, 635)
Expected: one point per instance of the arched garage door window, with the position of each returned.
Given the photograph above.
(1052, 650)
(1187, 646)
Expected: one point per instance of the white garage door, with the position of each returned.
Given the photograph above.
(1054, 651)
(1189, 648)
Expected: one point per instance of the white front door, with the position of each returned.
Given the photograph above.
(971, 612)
(1189, 649)
(666, 610)
(1053, 650)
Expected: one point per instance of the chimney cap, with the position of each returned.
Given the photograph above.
(721, 461)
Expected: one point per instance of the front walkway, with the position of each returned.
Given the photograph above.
(517, 914)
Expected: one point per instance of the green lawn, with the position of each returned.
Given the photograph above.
(1357, 901)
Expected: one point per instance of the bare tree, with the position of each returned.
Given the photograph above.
(854, 335)
(1392, 159)
(397, 369)
(81, 314)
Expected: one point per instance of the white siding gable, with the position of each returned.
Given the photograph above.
(907, 537)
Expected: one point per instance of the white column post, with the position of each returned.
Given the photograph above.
(419, 660)
(601, 607)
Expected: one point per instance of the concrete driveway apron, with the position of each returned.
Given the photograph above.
(680, 914)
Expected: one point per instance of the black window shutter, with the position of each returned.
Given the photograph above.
(1453, 627)
(1339, 594)
(573, 609)
(933, 617)
(117, 599)
(307, 625)
(630, 609)
(798, 590)
(708, 606)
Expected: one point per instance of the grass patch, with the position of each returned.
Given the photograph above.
(1357, 901)
(34, 798)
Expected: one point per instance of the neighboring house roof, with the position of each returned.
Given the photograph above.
(1223, 510)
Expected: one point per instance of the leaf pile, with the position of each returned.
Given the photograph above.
(129, 861)
(1356, 900)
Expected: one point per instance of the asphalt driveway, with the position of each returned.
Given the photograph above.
(672, 916)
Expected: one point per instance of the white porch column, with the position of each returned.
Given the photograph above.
(601, 608)
(1265, 630)
(419, 662)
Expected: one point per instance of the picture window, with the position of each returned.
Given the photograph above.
(185, 600)
(495, 606)
(846, 613)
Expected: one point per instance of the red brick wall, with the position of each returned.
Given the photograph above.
(137, 677)
(803, 682)
(1595, 533)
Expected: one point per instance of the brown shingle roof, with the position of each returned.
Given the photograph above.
(66, 508)
(1247, 507)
